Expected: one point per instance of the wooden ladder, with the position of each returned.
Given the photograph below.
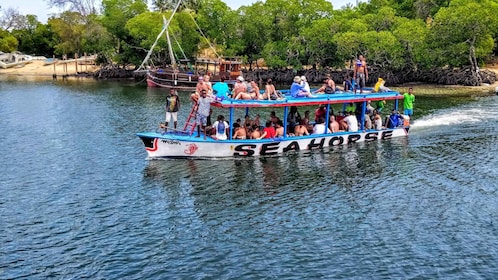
(190, 124)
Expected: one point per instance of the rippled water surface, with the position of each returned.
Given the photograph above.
(78, 199)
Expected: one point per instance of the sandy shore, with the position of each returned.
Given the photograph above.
(39, 68)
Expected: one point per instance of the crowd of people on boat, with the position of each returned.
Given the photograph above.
(297, 125)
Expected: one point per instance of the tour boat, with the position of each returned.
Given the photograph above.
(187, 144)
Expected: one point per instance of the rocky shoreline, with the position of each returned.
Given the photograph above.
(487, 78)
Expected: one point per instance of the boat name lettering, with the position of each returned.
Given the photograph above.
(171, 142)
(247, 150)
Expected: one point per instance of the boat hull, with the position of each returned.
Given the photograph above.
(171, 145)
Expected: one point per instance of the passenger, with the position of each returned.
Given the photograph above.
(251, 94)
(368, 122)
(328, 87)
(208, 84)
(270, 91)
(221, 127)
(301, 130)
(273, 118)
(279, 129)
(294, 118)
(304, 83)
(350, 108)
(380, 106)
(370, 108)
(297, 90)
(268, 131)
(172, 108)
(360, 73)
(203, 111)
(394, 120)
(256, 132)
(333, 124)
(221, 89)
(201, 85)
(239, 133)
(377, 120)
(351, 122)
(257, 120)
(320, 112)
(306, 121)
(239, 87)
(320, 127)
(348, 85)
(247, 121)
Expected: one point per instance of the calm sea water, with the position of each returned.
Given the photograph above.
(78, 199)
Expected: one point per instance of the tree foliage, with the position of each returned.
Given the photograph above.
(393, 34)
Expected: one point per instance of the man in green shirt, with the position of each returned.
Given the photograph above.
(409, 98)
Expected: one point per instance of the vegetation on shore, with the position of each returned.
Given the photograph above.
(403, 40)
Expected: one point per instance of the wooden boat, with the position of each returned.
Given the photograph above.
(185, 77)
(182, 74)
(187, 144)
(14, 59)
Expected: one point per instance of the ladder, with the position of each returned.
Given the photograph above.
(190, 124)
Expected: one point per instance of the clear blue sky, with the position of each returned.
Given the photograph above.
(41, 9)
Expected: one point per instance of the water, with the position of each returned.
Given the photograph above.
(79, 200)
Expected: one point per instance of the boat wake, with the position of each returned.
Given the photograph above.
(453, 117)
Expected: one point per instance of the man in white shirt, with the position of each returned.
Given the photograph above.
(320, 127)
(352, 122)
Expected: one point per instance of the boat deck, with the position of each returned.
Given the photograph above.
(340, 97)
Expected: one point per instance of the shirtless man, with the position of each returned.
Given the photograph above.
(328, 87)
(201, 85)
(360, 73)
(240, 132)
(253, 94)
(333, 125)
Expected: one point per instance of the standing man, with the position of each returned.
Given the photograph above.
(172, 107)
(203, 111)
(408, 100)
(360, 72)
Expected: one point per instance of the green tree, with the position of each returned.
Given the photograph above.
(69, 28)
(8, 43)
(35, 37)
(462, 34)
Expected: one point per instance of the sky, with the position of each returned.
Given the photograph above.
(41, 9)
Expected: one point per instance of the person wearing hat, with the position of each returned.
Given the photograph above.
(239, 87)
(297, 90)
(305, 84)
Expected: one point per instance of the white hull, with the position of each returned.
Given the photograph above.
(174, 146)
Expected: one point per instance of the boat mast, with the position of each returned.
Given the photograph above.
(170, 49)
(165, 28)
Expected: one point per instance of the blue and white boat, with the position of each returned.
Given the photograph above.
(188, 144)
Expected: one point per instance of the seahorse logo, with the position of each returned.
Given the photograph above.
(191, 149)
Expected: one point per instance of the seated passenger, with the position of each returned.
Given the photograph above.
(273, 118)
(239, 133)
(279, 129)
(256, 132)
(239, 87)
(251, 94)
(221, 127)
(351, 122)
(268, 131)
(270, 91)
(394, 120)
(377, 120)
(320, 127)
(380, 87)
(328, 87)
(300, 130)
(221, 89)
(297, 90)
(348, 82)
(306, 121)
(333, 124)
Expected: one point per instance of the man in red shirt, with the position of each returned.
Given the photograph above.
(268, 131)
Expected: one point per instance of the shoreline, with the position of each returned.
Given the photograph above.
(38, 69)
